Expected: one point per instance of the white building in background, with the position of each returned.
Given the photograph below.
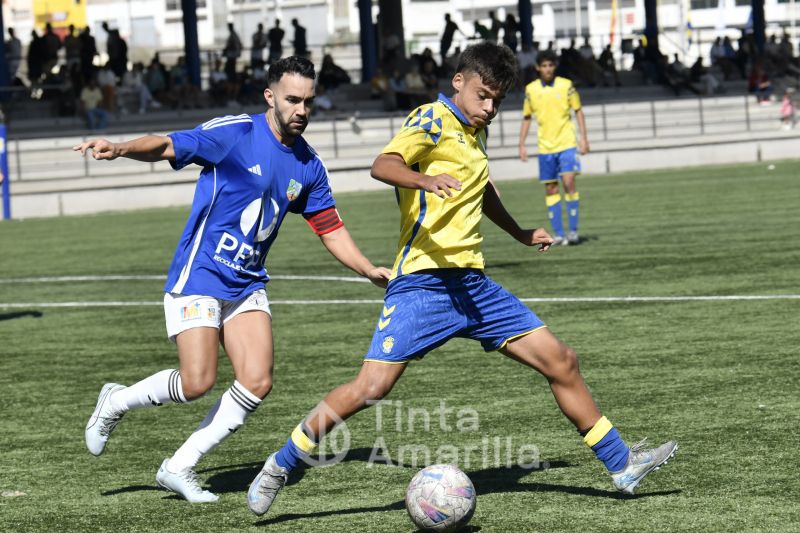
(156, 25)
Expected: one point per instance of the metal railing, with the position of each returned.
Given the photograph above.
(349, 142)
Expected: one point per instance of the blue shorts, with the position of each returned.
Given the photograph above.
(552, 166)
(424, 310)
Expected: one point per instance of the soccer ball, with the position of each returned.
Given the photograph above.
(440, 498)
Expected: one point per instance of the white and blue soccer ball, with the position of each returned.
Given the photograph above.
(440, 498)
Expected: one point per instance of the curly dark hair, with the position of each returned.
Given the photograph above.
(290, 65)
(495, 64)
(547, 55)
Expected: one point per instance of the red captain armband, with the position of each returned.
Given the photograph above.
(324, 221)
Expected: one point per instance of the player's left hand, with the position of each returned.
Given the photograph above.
(537, 237)
(583, 146)
(379, 276)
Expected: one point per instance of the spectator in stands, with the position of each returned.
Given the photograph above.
(117, 50)
(760, 85)
(788, 110)
(156, 79)
(72, 47)
(331, 75)
(397, 84)
(107, 82)
(91, 97)
(300, 44)
(275, 37)
(449, 32)
(427, 57)
(699, 74)
(494, 27)
(379, 89)
(415, 87)
(185, 94)
(13, 53)
(510, 29)
(608, 66)
(482, 32)
(259, 42)
(677, 77)
(88, 53)
(430, 80)
(742, 57)
(36, 57)
(232, 51)
(133, 83)
(643, 64)
(51, 46)
(219, 88)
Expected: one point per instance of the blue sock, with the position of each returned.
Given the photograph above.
(553, 202)
(573, 207)
(295, 450)
(608, 446)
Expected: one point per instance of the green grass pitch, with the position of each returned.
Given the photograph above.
(720, 376)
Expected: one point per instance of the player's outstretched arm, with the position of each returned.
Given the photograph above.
(392, 169)
(150, 148)
(497, 213)
(342, 246)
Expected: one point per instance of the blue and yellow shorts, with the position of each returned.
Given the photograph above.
(552, 166)
(425, 309)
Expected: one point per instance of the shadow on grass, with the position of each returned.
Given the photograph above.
(20, 314)
(486, 481)
(236, 479)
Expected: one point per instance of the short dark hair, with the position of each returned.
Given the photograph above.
(290, 65)
(546, 55)
(494, 63)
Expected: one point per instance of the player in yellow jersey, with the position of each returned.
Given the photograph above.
(553, 99)
(439, 166)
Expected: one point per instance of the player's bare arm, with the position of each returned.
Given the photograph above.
(524, 127)
(583, 139)
(150, 148)
(494, 209)
(392, 169)
(342, 246)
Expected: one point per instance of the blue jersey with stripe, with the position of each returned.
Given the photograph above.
(248, 183)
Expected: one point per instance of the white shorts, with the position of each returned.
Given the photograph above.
(187, 312)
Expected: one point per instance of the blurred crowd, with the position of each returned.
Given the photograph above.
(68, 71)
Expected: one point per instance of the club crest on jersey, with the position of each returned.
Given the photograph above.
(293, 191)
(388, 344)
(191, 312)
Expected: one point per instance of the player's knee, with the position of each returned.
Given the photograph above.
(259, 386)
(374, 391)
(568, 362)
(195, 387)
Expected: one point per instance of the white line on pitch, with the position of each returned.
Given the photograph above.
(587, 299)
(160, 277)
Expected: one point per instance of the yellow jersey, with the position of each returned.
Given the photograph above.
(438, 232)
(552, 104)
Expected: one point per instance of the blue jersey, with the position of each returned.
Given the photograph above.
(248, 183)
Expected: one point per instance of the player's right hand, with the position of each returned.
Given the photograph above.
(101, 149)
(441, 185)
(523, 153)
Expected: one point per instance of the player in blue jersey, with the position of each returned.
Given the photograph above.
(255, 169)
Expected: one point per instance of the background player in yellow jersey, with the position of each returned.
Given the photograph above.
(438, 289)
(552, 99)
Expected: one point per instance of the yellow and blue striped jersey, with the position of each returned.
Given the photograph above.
(438, 232)
(552, 104)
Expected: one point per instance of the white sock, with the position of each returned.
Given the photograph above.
(224, 418)
(158, 389)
